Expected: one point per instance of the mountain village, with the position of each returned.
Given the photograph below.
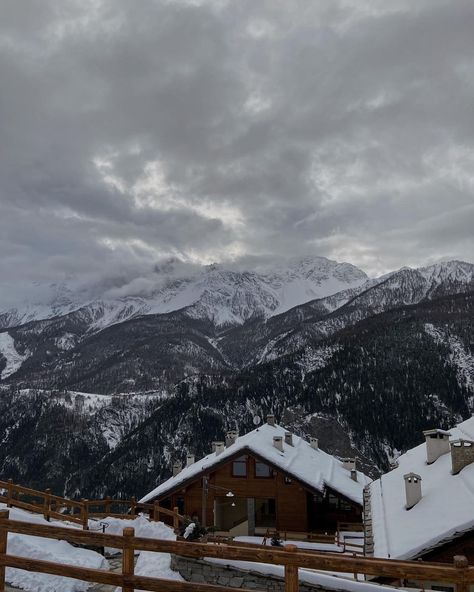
(266, 510)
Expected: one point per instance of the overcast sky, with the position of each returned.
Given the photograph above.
(135, 130)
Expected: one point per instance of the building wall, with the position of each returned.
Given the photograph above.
(200, 571)
(290, 496)
(464, 545)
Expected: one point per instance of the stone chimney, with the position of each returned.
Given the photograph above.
(220, 447)
(412, 489)
(353, 475)
(349, 463)
(278, 443)
(314, 443)
(437, 444)
(230, 437)
(189, 460)
(462, 454)
(176, 468)
(271, 420)
(289, 438)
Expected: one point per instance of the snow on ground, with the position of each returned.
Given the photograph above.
(47, 550)
(13, 358)
(255, 540)
(148, 564)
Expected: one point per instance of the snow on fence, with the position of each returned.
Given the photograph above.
(79, 512)
(290, 557)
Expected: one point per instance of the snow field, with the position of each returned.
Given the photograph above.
(47, 550)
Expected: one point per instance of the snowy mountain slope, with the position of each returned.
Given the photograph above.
(403, 288)
(380, 381)
(152, 351)
(224, 296)
(12, 359)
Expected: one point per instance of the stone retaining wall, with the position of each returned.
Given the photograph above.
(201, 571)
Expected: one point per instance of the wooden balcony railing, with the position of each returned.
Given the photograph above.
(78, 512)
(459, 574)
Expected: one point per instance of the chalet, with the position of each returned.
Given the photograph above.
(268, 478)
(424, 508)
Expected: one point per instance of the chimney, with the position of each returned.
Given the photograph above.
(412, 489)
(314, 443)
(176, 468)
(231, 437)
(289, 438)
(462, 454)
(437, 444)
(278, 443)
(353, 475)
(271, 420)
(220, 446)
(348, 463)
(189, 460)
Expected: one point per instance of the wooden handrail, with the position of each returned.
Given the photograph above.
(459, 573)
(79, 512)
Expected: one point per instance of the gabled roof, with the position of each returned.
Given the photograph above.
(315, 468)
(444, 512)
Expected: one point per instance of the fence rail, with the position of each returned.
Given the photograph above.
(459, 574)
(79, 511)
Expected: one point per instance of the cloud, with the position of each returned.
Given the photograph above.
(223, 131)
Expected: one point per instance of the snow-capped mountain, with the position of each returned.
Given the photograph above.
(223, 296)
(378, 360)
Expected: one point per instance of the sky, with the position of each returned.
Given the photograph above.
(233, 131)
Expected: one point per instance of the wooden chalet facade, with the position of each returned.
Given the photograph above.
(249, 486)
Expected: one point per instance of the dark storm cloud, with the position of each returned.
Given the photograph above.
(214, 130)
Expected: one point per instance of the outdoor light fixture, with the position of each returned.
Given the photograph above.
(230, 494)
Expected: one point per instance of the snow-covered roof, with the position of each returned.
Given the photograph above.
(444, 511)
(315, 468)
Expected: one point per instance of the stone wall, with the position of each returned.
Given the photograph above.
(201, 571)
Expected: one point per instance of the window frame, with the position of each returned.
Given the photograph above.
(264, 464)
(242, 461)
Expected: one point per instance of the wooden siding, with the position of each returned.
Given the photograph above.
(463, 545)
(290, 495)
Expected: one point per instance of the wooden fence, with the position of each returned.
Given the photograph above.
(79, 511)
(459, 574)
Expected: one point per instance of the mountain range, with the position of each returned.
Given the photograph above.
(364, 363)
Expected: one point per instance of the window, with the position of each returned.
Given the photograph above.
(262, 470)
(288, 481)
(333, 501)
(239, 467)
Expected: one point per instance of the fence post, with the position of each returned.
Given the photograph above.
(291, 572)
(175, 518)
(133, 510)
(85, 514)
(128, 557)
(10, 492)
(4, 515)
(156, 511)
(47, 504)
(107, 505)
(461, 564)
